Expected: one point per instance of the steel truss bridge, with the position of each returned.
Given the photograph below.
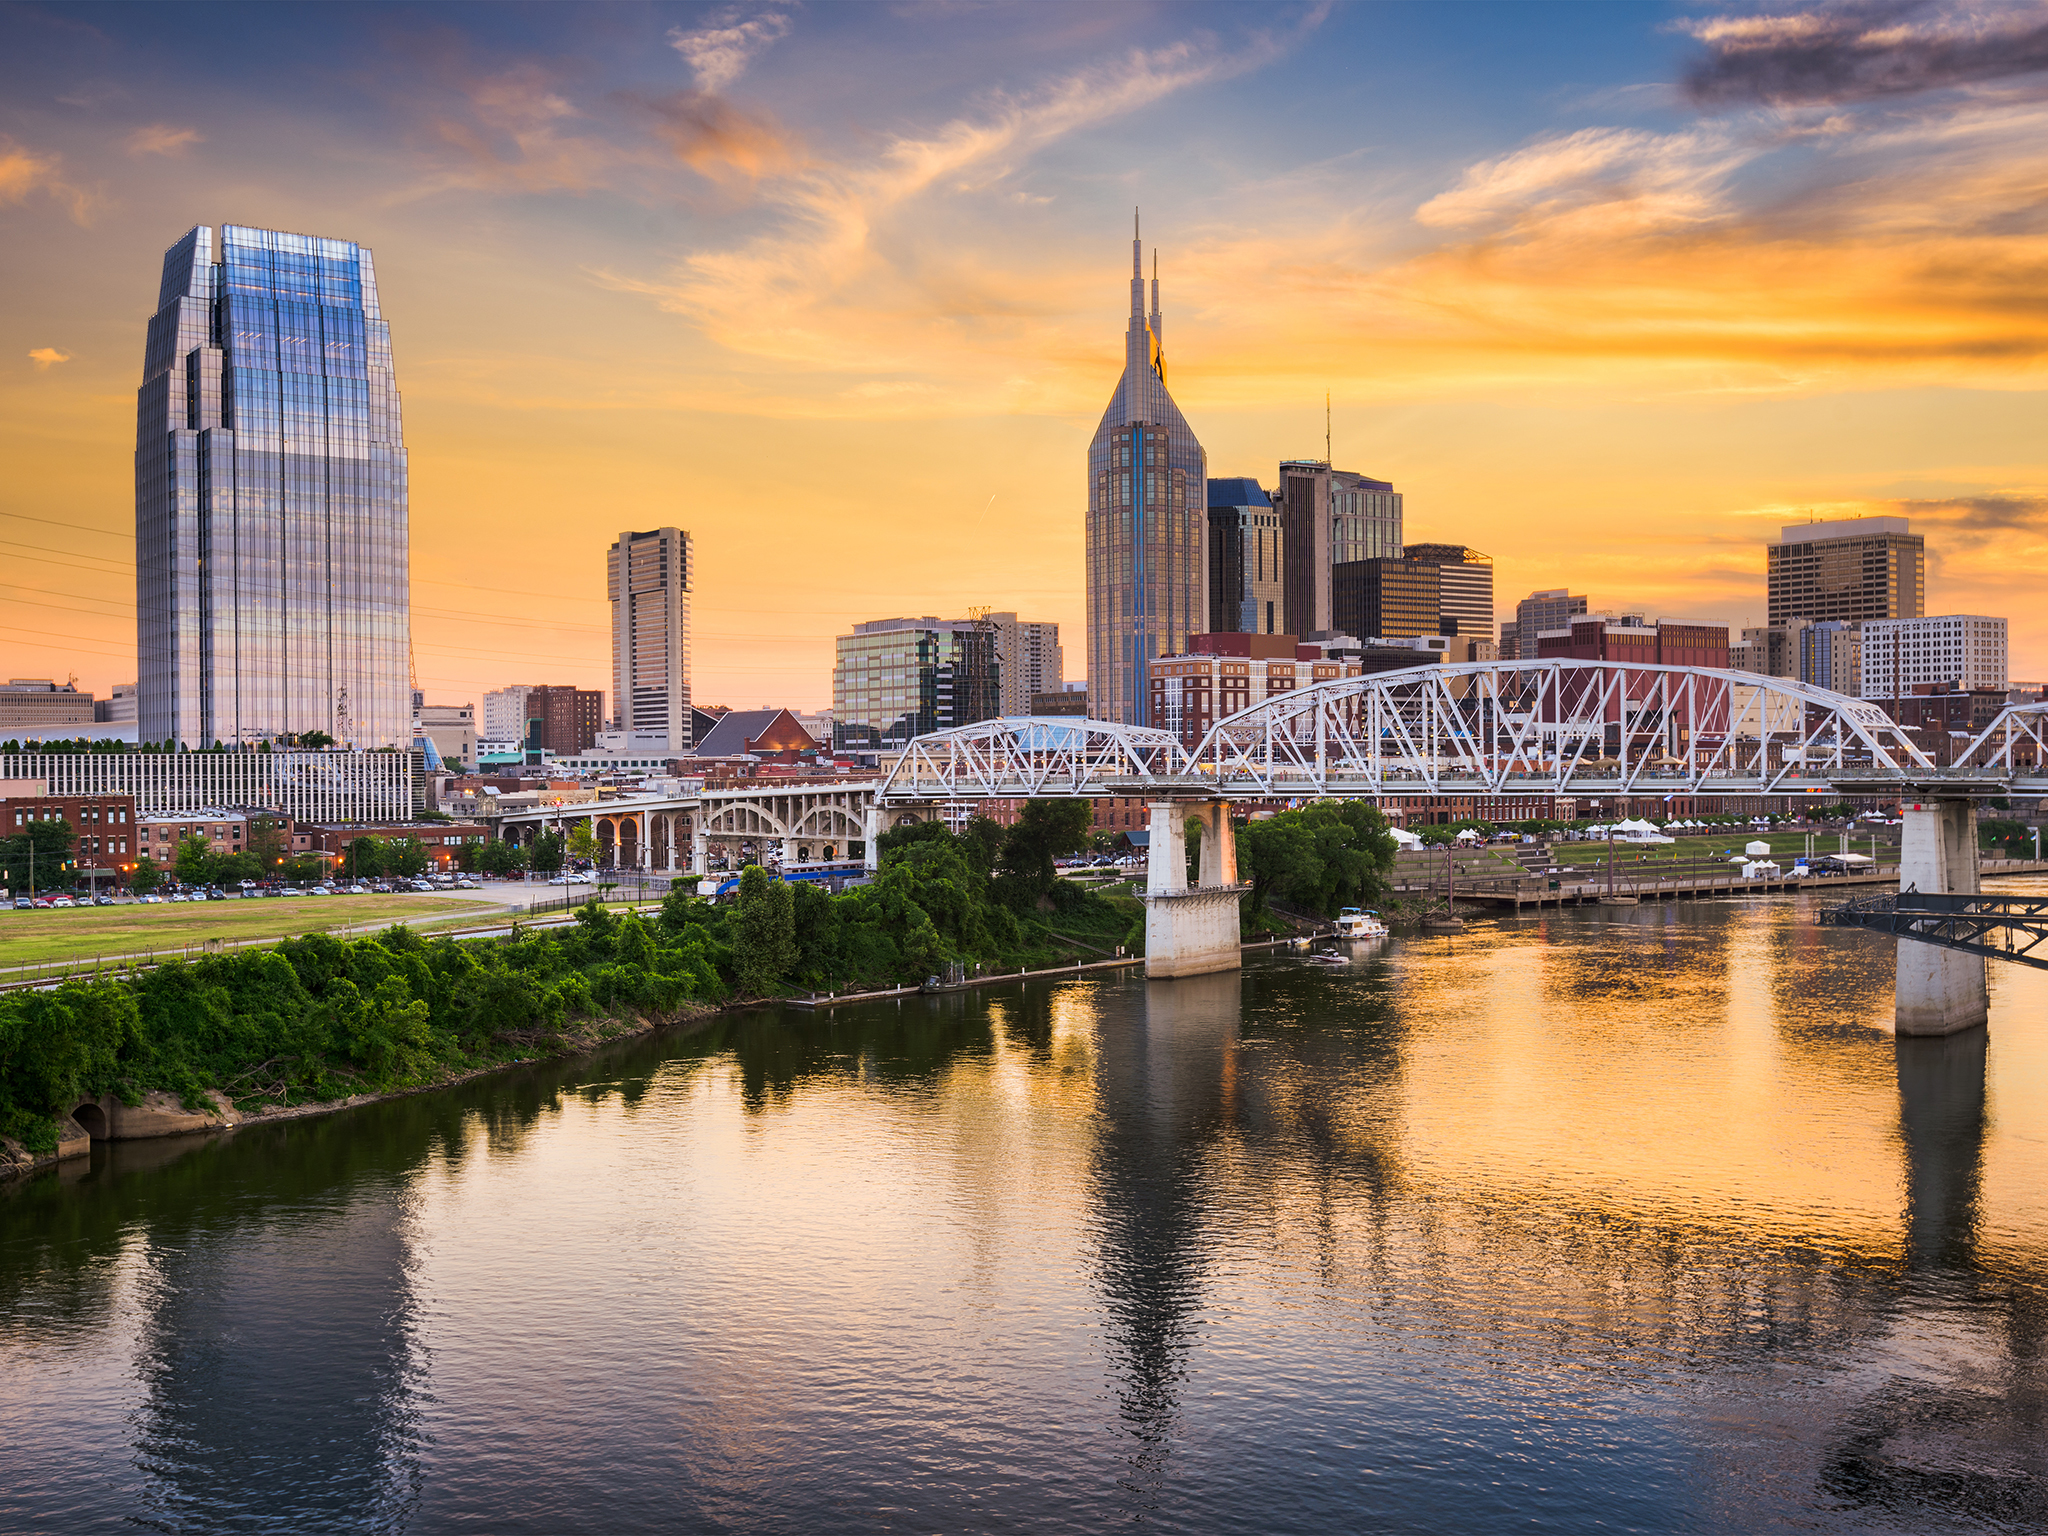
(1970, 923)
(1548, 728)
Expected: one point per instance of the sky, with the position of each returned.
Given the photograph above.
(1610, 292)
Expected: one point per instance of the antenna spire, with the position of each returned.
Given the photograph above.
(1328, 457)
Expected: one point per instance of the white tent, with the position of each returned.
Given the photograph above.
(1469, 835)
(1403, 838)
(1759, 846)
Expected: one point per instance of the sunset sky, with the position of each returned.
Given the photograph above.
(1609, 291)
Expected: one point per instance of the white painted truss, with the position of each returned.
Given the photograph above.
(1042, 756)
(1556, 727)
(2012, 747)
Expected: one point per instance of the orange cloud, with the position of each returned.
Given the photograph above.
(711, 135)
(24, 172)
(43, 357)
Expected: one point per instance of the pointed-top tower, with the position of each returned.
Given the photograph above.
(1147, 521)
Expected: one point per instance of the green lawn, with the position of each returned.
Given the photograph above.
(1714, 848)
(82, 933)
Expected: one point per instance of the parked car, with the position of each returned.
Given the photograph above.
(61, 901)
(24, 903)
(103, 901)
(152, 899)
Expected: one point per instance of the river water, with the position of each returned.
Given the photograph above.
(1605, 1220)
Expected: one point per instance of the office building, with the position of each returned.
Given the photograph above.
(1770, 650)
(328, 786)
(894, 679)
(1387, 599)
(1955, 650)
(36, 707)
(1857, 568)
(1831, 656)
(647, 576)
(1330, 517)
(505, 713)
(118, 707)
(1028, 656)
(1247, 591)
(1226, 671)
(1538, 614)
(1070, 700)
(1464, 588)
(1627, 638)
(452, 730)
(561, 720)
(1147, 522)
(272, 587)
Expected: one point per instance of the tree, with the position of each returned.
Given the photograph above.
(147, 877)
(1275, 855)
(406, 856)
(496, 857)
(545, 856)
(313, 741)
(266, 841)
(195, 860)
(583, 842)
(764, 931)
(1045, 830)
(37, 854)
(366, 858)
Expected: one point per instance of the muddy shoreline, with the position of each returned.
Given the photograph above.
(17, 1162)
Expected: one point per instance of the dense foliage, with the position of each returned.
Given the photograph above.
(41, 849)
(322, 1018)
(1324, 856)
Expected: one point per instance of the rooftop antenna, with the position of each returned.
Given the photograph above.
(1328, 457)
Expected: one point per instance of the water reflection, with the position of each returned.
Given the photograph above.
(1165, 1077)
(1636, 1218)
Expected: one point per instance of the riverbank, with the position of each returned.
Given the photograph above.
(17, 1161)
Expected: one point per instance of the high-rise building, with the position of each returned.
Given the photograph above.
(1831, 656)
(1961, 650)
(562, 720)
(271, 575)
(1464, 587)
(1247, 560)
(1029, 656)
(647, 576)
(1330, 517)
(1770, 650)
(1538, 614)
(1858, 568)
(898, 678)
(505, 713)
(1385, 599)
(1147, 522)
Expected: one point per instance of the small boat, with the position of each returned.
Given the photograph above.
(1328, 957)
(1359, 923)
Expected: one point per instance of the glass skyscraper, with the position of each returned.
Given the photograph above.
(1148, 510)
(271, 560)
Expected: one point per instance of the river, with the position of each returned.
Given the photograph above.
(1599, 1220)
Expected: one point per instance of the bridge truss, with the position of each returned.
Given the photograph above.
(1966, 922)
(2015, 745)
(1553, 727)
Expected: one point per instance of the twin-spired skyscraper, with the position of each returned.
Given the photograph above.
(1147, 523)
(271, 559)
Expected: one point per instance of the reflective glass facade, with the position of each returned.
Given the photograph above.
(272, 582)
(1147, 524)
(894, 679)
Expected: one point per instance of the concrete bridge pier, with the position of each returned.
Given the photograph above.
(1939, 991)
(1191, 931)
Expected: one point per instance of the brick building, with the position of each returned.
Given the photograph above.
(563, 721)
(103, 827)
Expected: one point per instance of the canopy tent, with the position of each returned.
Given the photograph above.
(1403, 838)
(1759, 846)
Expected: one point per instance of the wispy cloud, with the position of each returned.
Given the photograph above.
(25, 172)
(714, 136)
(730, 39)
(1862, 51)
(163, 139)
(831, 288)
(43, 357)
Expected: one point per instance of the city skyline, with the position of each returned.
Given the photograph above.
(674, 254)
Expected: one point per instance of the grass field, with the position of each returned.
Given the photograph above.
(80, 934)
